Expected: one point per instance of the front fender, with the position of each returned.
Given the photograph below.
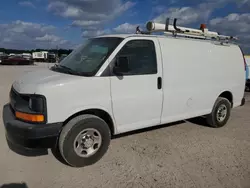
(94, 107)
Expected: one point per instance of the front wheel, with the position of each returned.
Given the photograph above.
(84, 140)
(220, 113)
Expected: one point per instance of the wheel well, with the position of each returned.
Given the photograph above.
(97, 112)
(228, 95)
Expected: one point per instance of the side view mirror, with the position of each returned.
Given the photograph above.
(121, 65)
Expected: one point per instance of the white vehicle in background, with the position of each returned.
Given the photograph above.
(119, 83)
(27, 56)
(40, 56)
(12, 54)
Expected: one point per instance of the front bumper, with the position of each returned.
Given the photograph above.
(29, 135)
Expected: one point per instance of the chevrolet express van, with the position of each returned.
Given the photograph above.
(114, 84)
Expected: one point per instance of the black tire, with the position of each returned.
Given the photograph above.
(70, 132)
(212, 118)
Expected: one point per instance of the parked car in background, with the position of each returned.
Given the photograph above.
(51, 58)
(17, 60)
(12, 54)
(27, 56)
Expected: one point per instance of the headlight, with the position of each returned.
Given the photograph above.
(36, 104)
(35, 113)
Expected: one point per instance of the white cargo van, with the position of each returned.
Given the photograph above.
(118, 83)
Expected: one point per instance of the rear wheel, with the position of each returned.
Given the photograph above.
(84, 140)
(220, 113)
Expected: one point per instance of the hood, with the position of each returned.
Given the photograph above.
(31, 82)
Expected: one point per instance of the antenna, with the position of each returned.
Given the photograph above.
(201, 33)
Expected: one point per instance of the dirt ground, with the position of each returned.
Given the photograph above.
(184, 154)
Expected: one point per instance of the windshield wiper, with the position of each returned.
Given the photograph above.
(69, 70)
(65, 69)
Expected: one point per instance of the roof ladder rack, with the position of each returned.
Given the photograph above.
(202, 33)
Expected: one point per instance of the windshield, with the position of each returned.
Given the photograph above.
(87, 59)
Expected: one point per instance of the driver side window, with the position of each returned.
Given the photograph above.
(141, 57)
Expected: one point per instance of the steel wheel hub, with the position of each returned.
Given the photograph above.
(87, 142)
(221, 113)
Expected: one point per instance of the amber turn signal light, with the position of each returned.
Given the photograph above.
(30, 117)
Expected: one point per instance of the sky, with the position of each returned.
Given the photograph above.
(30, 24)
